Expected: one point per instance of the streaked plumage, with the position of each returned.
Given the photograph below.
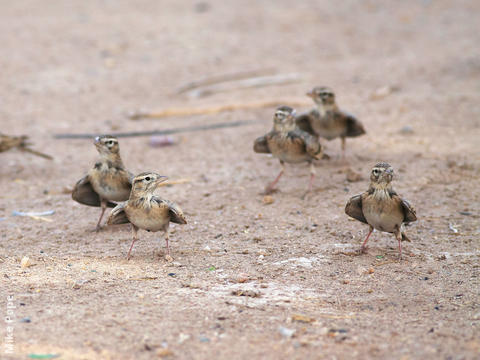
(145, 210)
(327, 120)
(381, 207)
(108, 181)
(288, 143)
(8, 142)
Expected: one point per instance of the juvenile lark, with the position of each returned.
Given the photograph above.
(107, 181)
(8, 142)
(381, 207)
(145, 210)
(289, 144)
(327, 120)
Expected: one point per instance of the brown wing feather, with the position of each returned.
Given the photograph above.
(118, 215)
(304, 123)
(312, 146)
(84, 194)
(176, 214)
(260, 145)
(354, 209)
(354, 126)
(409, 211)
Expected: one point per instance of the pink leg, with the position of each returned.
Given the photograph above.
(271, 186)
(344, 146)
(398, 235)
(104, 207)
(364, 245)
(135, 238)
(166, 240)
(310, 184)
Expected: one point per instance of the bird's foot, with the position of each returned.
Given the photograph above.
(270, 190)
(364, 249)
(169, 258)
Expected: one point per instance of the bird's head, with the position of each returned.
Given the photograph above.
(147, 181)
(381, 175)
(107, 144)
(322, 95)
(284, 118)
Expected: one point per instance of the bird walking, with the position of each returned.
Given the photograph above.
(144, 210)
(380, 207)
(327, 120)
(289, 144)
(108, 181)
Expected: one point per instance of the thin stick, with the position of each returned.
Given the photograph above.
(260, 81)
(35, 152)
(209, 80)
(159, 132)
(215, 109)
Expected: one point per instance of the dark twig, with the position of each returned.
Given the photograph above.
(159, 132)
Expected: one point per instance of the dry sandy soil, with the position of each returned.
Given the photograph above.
(249, 280)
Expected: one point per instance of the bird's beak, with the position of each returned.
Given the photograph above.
(161, 179)
(389, 171)
(97, 140)
(309, 94)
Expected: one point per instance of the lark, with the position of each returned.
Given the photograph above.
(327, 120)
(381, 208)
(8, 142)
(108, 181)
(289, 144)
(145, 210)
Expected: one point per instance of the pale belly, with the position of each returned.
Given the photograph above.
(288, 152)
(388, 221)
(328, 131)
(109, 189)
(154, 220)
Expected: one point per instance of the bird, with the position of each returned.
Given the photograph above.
(381, 207)
(8, 142)
(289, 144)
(108, 181)
(327, 120)
(145, 210)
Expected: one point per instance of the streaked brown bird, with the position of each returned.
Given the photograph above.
(380, 207)
(108, 181)
(8, 142)
(145, 210)
(289, 144)
(327, 120)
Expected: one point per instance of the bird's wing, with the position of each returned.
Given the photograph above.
(408, 210)
(312, 145)
(304, 123)
(354, 126)
(176, 214)
(118, 215)
(260, 145)
(84, 194)
(354, 209)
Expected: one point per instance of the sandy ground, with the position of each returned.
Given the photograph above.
(249, 280)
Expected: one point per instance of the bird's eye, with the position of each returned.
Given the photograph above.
(375, 171)
(147, 178)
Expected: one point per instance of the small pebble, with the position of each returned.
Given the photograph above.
(286, 332)
(25, 320)
(406, 130)
(267, 200)
(26, 262)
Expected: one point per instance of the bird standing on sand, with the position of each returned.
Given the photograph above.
(107, 181)
(145, 210)
(289, 144)
(380, 207)
(327, 120)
